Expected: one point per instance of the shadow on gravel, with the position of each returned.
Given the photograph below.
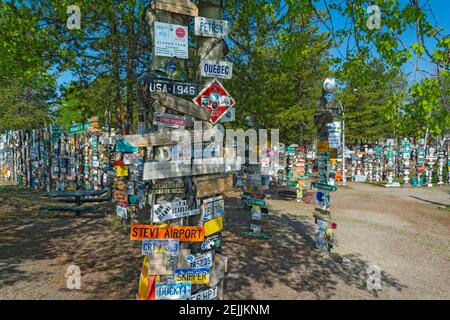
(109, 261)
(289, 257)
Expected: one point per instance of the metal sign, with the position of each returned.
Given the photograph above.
(259, 202)
(177, 290)
(169, 247)
(229, 116)
(216, 69)
(202, 261)
(185, 233)
(169, 120)
(208, 294)
(172, 210)
(177, 88)
(79, 127)
(324, 186)
(213, 208)
(196, 276)
(171, 40)
(210, 27)
(216, 98)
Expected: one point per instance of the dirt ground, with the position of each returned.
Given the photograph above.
(402, 231)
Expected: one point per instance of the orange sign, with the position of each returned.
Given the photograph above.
(188, 233)
(322, 146)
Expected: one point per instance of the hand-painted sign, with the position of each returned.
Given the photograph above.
(213, 208)
(210, 27)
(213, 226)
(171, 40)
(167, 187)
(177, 290)
(177, 88)
(216, 69)
(216, 98)
(169, 120)
(172, 210)
(202, 261)
(208, 294)
(187, 233)
(324, 186)
(196, 276)
(169, 247)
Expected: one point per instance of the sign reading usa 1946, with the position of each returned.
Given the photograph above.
(177, 88)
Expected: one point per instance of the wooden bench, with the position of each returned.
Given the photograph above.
(76, 209)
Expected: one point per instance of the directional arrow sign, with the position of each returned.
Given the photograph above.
(216, 98)
(324, 186)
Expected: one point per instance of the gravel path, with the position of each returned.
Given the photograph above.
(402, 231)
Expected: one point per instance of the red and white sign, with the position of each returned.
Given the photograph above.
(216, 98)
(168, 120)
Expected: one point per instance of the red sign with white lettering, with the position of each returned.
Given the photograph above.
(216, 98)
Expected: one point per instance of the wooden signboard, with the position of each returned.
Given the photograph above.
(214, 184)
(166, 169)
(184, 7)
(172, 210)
(186, 233)
(164, 138)
(181, 105)
(322, 214)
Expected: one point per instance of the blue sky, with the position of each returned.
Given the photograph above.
(441, 10)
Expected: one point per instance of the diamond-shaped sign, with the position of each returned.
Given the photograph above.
(216, 98)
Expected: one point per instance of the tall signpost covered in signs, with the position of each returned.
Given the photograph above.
(182, 244)
(324, 236)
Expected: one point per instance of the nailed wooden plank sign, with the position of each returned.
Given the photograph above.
(186, 233)
(322, 214)
(166, 169)
(184, 7)
(210, 185)
(167, 187)
(174, 290)
(164, 138)
(175, 87)
(172, 210)
(196, 276)
(210, 27)
(184, 106)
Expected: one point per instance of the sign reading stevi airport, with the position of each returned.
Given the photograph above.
(185, 233)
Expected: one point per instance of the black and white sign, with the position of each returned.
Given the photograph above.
(169, 120)
(177, 88)
(208, 294)
(172, 210)
(211, 27)
(171, 40)
(216, 69)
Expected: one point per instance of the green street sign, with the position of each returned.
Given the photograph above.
(324, 186)
(291, 184)
(250, 202)
(79, 127)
